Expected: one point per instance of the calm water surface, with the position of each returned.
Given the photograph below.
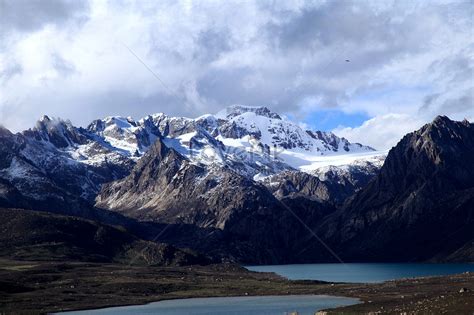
(368, 273)
(249, 305)
(303, 304)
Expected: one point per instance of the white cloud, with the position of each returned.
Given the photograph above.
(70, 61)
(381, 132)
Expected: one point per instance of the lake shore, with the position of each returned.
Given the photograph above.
(43, 287)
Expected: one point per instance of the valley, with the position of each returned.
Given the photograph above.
(35, 287)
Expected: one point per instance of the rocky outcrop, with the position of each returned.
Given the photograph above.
(333, 142)
(236, 110)
(331, 184)
(300, 184)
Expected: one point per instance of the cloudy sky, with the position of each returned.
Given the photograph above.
(408, 61)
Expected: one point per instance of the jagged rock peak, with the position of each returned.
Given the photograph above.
(444, 128)
(44, 118)
(99, 125)
(52, 123)
(441, 118)
(4, 131)
(442, 121)
(59, 132)
(236, 110)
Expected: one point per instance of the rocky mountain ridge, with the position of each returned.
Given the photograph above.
(74, 162)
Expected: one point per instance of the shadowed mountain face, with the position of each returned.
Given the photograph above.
(32, 235)
(300, 184)
(419, 207)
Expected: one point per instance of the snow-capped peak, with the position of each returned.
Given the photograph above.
(130, 137)
(49, 122)
(236, 110)
(60, 133)
(253, 141)
(120, 122)
(44, 118)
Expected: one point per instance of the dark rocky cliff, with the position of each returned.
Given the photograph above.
(420, 206)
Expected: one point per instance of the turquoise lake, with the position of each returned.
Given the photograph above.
(248, 305)
(304, 304)
(362, 273)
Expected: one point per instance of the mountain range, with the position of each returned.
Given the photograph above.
(251, 186)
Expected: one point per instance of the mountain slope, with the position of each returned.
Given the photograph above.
(333, 186)
(420, 206)
(43, 164)
(166, 187)
(32, 235)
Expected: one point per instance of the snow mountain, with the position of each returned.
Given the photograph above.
(252, 140)
(57, 160)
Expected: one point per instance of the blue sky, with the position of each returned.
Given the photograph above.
(327, 120)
